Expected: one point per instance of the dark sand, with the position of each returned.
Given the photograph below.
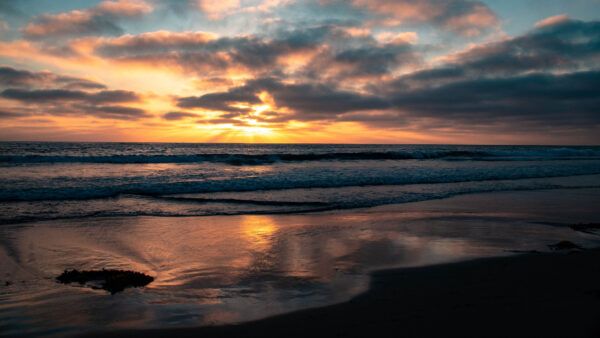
(547, 295)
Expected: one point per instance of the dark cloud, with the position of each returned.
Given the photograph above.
(9, 114)
(492, 84)
(54, 95)
(16, 77)
(178, 115)
(49, 93)
(308, 101)
(113, 96)
(222, 101)
(11, 76)
(565, 46)
(344, 55)
(373, 60)
(203, 53)
(114, 112)
(43, 95)
(78, 83)
(547, 77)
(547, 99)
(101, 19)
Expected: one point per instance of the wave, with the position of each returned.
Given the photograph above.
(154, 189)
(263, 159)
(345, 200)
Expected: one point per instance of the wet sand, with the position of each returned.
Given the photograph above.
(253, 269)
(543, 295)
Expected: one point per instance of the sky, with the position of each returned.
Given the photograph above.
(301, 71)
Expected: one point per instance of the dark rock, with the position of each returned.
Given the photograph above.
(110, 280)
(564, 245)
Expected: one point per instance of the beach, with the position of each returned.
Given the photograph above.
(298, 168)
(529, 295)
(240, 275)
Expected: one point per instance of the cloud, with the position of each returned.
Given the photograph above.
(398, 38)
(114, 112)
(218, 9)
(104, 104)
(207, 54)
(39, 93)
(307, 101)
(215, 9)
(466, 17)
(15, 77)
(223, 101)
(557, 47)
(4, 114)
(370, 60)
(325, 51)
(553, 20)
(568, 99)
(101, 19)
(546, 77)
(56, 95)
(178, 115)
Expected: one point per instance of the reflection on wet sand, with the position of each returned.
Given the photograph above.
(233, 268)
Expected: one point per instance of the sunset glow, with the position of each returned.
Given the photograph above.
(459, 71)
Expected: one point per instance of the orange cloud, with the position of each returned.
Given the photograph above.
(216, 9)
(469, 18)
(398, 38)
(403, 10)
(473, 23)
(553, 20)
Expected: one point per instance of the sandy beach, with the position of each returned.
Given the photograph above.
(440, 267)
(530, 295)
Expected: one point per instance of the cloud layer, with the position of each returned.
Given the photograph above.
(424, 67)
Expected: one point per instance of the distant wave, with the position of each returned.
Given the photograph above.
(262, 159)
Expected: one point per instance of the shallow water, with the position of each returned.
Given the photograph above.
(223, 269)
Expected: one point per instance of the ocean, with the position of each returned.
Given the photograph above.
(41, 181)
(236, 232)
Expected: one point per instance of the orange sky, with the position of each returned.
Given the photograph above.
(259, 71)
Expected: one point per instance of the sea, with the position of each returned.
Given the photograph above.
(238, 232)
(43, 181)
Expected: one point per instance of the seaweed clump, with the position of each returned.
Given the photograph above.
(112, 281)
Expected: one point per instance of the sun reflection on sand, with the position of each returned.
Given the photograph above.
(258, 230)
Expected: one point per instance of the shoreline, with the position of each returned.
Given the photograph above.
(394, 268)
(545, 294)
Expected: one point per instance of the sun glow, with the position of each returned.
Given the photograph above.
(259, 109)
(259, 230)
